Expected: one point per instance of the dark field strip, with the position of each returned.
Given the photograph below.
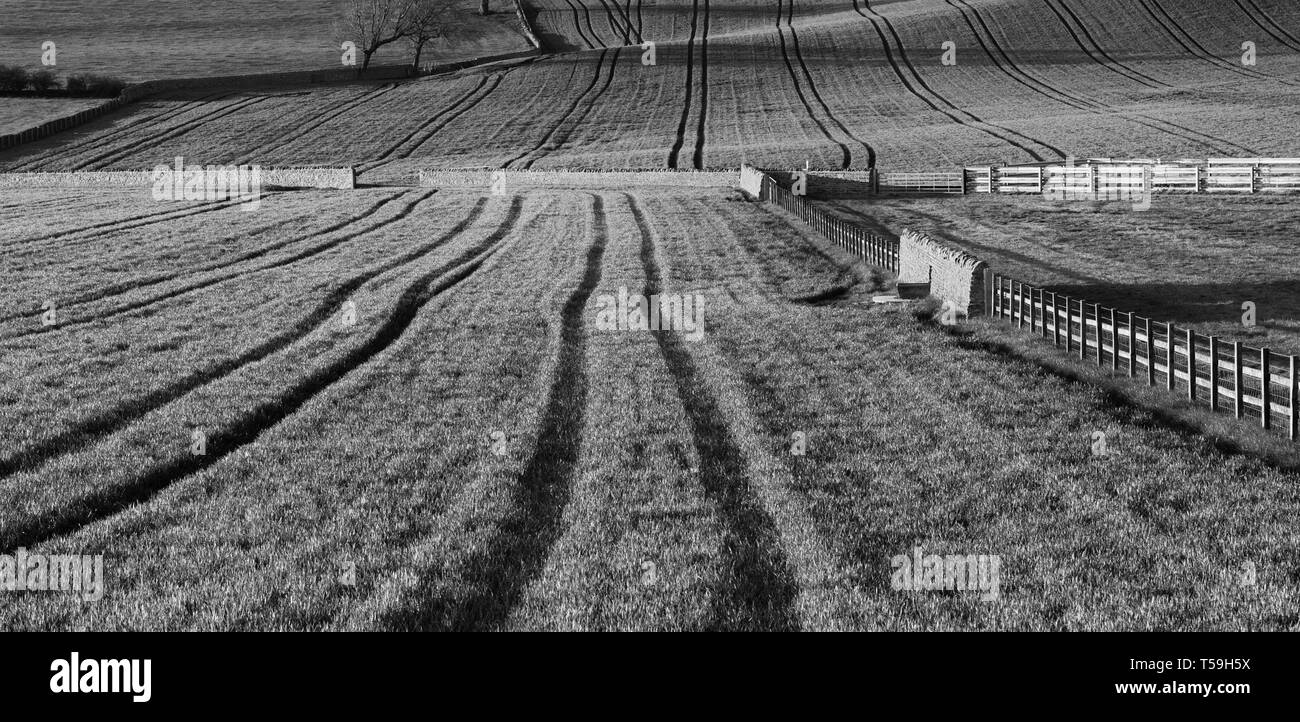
(690, 87)
(519, 547)
(1170, 26)
(761, 594)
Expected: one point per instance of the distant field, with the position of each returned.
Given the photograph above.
(146, 39)
(779, 84)
(21, 113)
(1193, 259)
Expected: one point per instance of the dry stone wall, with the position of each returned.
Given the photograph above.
(341, 178)
(954, 275)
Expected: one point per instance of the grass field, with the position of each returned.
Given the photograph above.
(374, 446)
(399, 408)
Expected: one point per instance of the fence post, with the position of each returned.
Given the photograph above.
(1191, 365)
(1056, 321)
(1214, 373)
(1020, 304)
(1114, 343)
(1265, 406)
(1171, 380)
(1069, 324)
(988, 292)
(1294, 425)
(1083, 331)
(1151, 353)
(1236, 378)
(1096, 313)
(1132, 348)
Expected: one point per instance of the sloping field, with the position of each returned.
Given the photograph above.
(149, 39)
(477, 451)
(779, 83)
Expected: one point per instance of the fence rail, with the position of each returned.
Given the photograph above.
(1249, 382)
(1215, 175)
(871, 248)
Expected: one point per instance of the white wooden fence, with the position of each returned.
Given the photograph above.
(1126, 179)
(1249, 382)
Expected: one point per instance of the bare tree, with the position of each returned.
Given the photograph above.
(372, 24)
(430, 19)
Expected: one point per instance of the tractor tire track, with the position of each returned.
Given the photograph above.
(518, 550)
(812, 88)
(1008, 67)
(106, 227)
(538, 150)
(1171, 27)
(615, 27)
(313, 123)
(98, 141)
(762, 595)
(207, 283)
(447, 115)
(577, 25)
(107, 502)
(690, 87)
(176, 132)
(595, 36)
(1259, 17)
(698, 157)
(375, 162)
(931, 98)
(1099, 55)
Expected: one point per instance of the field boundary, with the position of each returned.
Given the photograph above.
(871, 248)
(479, 178)
(1252, 382)
(338, 178)
(1160, 351)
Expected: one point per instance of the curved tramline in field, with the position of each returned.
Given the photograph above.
(438, 271)
(917, 86)
(216, 273)
(554, 138)
(258, 153)
(847, 161)
(996, 52)
(1166, 22)
(691, 84)
(162, 116)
